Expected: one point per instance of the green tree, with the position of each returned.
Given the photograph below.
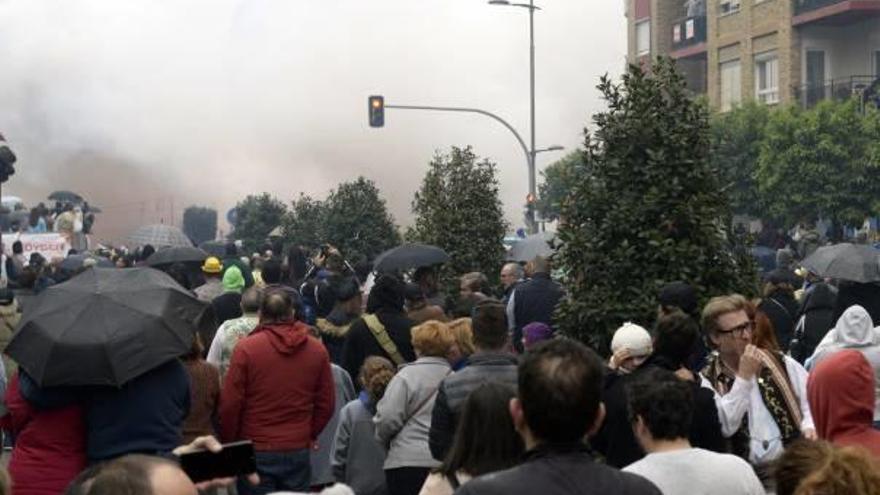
(651, 212)
(257, 216)
(357, 222)
(737, 136)
(820, 162)
(304, 223)
(200, 223)
(457, 208)
(556, 183)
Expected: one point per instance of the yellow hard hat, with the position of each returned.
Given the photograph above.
(212, 265)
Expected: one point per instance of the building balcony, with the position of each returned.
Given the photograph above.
(841, 89)
(689, 36)
(833, 11)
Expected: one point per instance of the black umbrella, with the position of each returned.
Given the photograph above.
(409, 256)
(179, 254)
(214, 248)
(75, 262)
(106, 327)
(66, 197)
(853, 262)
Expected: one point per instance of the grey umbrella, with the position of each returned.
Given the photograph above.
(66, 197)
(159, 235)
(531, 247)
(408, 256)
(853, 262)
(181, 254)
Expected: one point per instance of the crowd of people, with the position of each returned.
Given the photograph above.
(384, 385)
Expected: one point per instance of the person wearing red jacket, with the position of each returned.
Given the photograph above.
(50, 439)
(278, 393)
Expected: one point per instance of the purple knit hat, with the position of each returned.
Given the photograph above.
(536, 332)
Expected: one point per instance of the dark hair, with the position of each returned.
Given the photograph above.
(251, 299)
(276, 306)
(129, 475)
(83, 481)
(346, 289)
(678, 295)
(489, 320)
(271, 271)
(413, 293)
(663, 401)
(808, 467)
(17, 247)
(146, 251)
(230, 249)
(674, 336)
(387, 295)
(296, 265)
(560, 387)
(177, 271)
(485, 440)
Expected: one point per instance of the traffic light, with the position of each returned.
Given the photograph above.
(7, 158)
(376, 109)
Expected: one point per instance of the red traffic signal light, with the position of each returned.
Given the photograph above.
(376, 111)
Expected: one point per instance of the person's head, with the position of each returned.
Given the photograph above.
(212, 267)
(296, 264)
(276, 307)
(489, 323)
(674, 337)
(727, 325)
(819, 468)
(233, 280)
(177, 271)
(250, 300)
(83, 481)
(386, 295)
(348, 296)
(559, 393)
(661, 407)
(539, 264)
(511, 273)
(375, 375)
(776, 283)
(763, 334)
(854, 327)
(472, 283)
(841, 394)
(636, 340)
(147, 251)
(17, 248)
(534, 333)
(463, 333)
(141, 475)
(230, 250)
(485, 440)
(432, 339)
(415, 297)
(784, 259)
(197, 350)
(677, 296)
(271, 271)
(426, 278)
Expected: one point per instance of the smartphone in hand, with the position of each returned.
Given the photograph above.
(236, 459)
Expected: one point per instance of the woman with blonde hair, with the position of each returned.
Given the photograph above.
(357, 456)
(403, 416)
(461, 350)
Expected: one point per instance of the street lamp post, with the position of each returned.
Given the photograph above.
(533, 153)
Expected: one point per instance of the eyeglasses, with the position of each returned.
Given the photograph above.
(739, 330)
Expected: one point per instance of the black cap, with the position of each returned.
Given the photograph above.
(679, 295)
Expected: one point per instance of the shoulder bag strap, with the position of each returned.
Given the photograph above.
(381, 334)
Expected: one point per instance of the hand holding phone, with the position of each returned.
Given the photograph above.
(206, 460)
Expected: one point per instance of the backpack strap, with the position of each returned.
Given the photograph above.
(381, 335)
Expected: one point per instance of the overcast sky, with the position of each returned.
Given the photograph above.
(133, 103)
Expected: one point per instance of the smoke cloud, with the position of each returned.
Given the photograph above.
(146, 107)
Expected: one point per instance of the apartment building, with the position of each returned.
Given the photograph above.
(768, 50)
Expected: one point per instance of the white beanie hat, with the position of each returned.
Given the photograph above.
(633, 337)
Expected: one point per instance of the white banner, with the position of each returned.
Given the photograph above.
(50, 245)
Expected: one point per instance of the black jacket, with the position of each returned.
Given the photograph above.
(559, 470)
(533, 301)
(455, 389)
(781, 308)
(817, 313)
(615, 440)
(360, 343)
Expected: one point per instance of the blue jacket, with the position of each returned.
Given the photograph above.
(143, 416)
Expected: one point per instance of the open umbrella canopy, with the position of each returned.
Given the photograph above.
(106, 327)
(408, 256)
(853, 262)
(75, 262)
(214, 248)
(159, 235)
(178, 254)
(531, 247)
(66, 197)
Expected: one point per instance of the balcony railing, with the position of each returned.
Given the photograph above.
(688, 31)
(808, 95)
(802, 6)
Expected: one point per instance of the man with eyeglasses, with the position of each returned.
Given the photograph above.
(760, 394)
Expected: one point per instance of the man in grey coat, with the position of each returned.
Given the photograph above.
(492, 362)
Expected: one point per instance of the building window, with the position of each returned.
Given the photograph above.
(643, 37)
(728, 6)
(767, 78)
(731, 84)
